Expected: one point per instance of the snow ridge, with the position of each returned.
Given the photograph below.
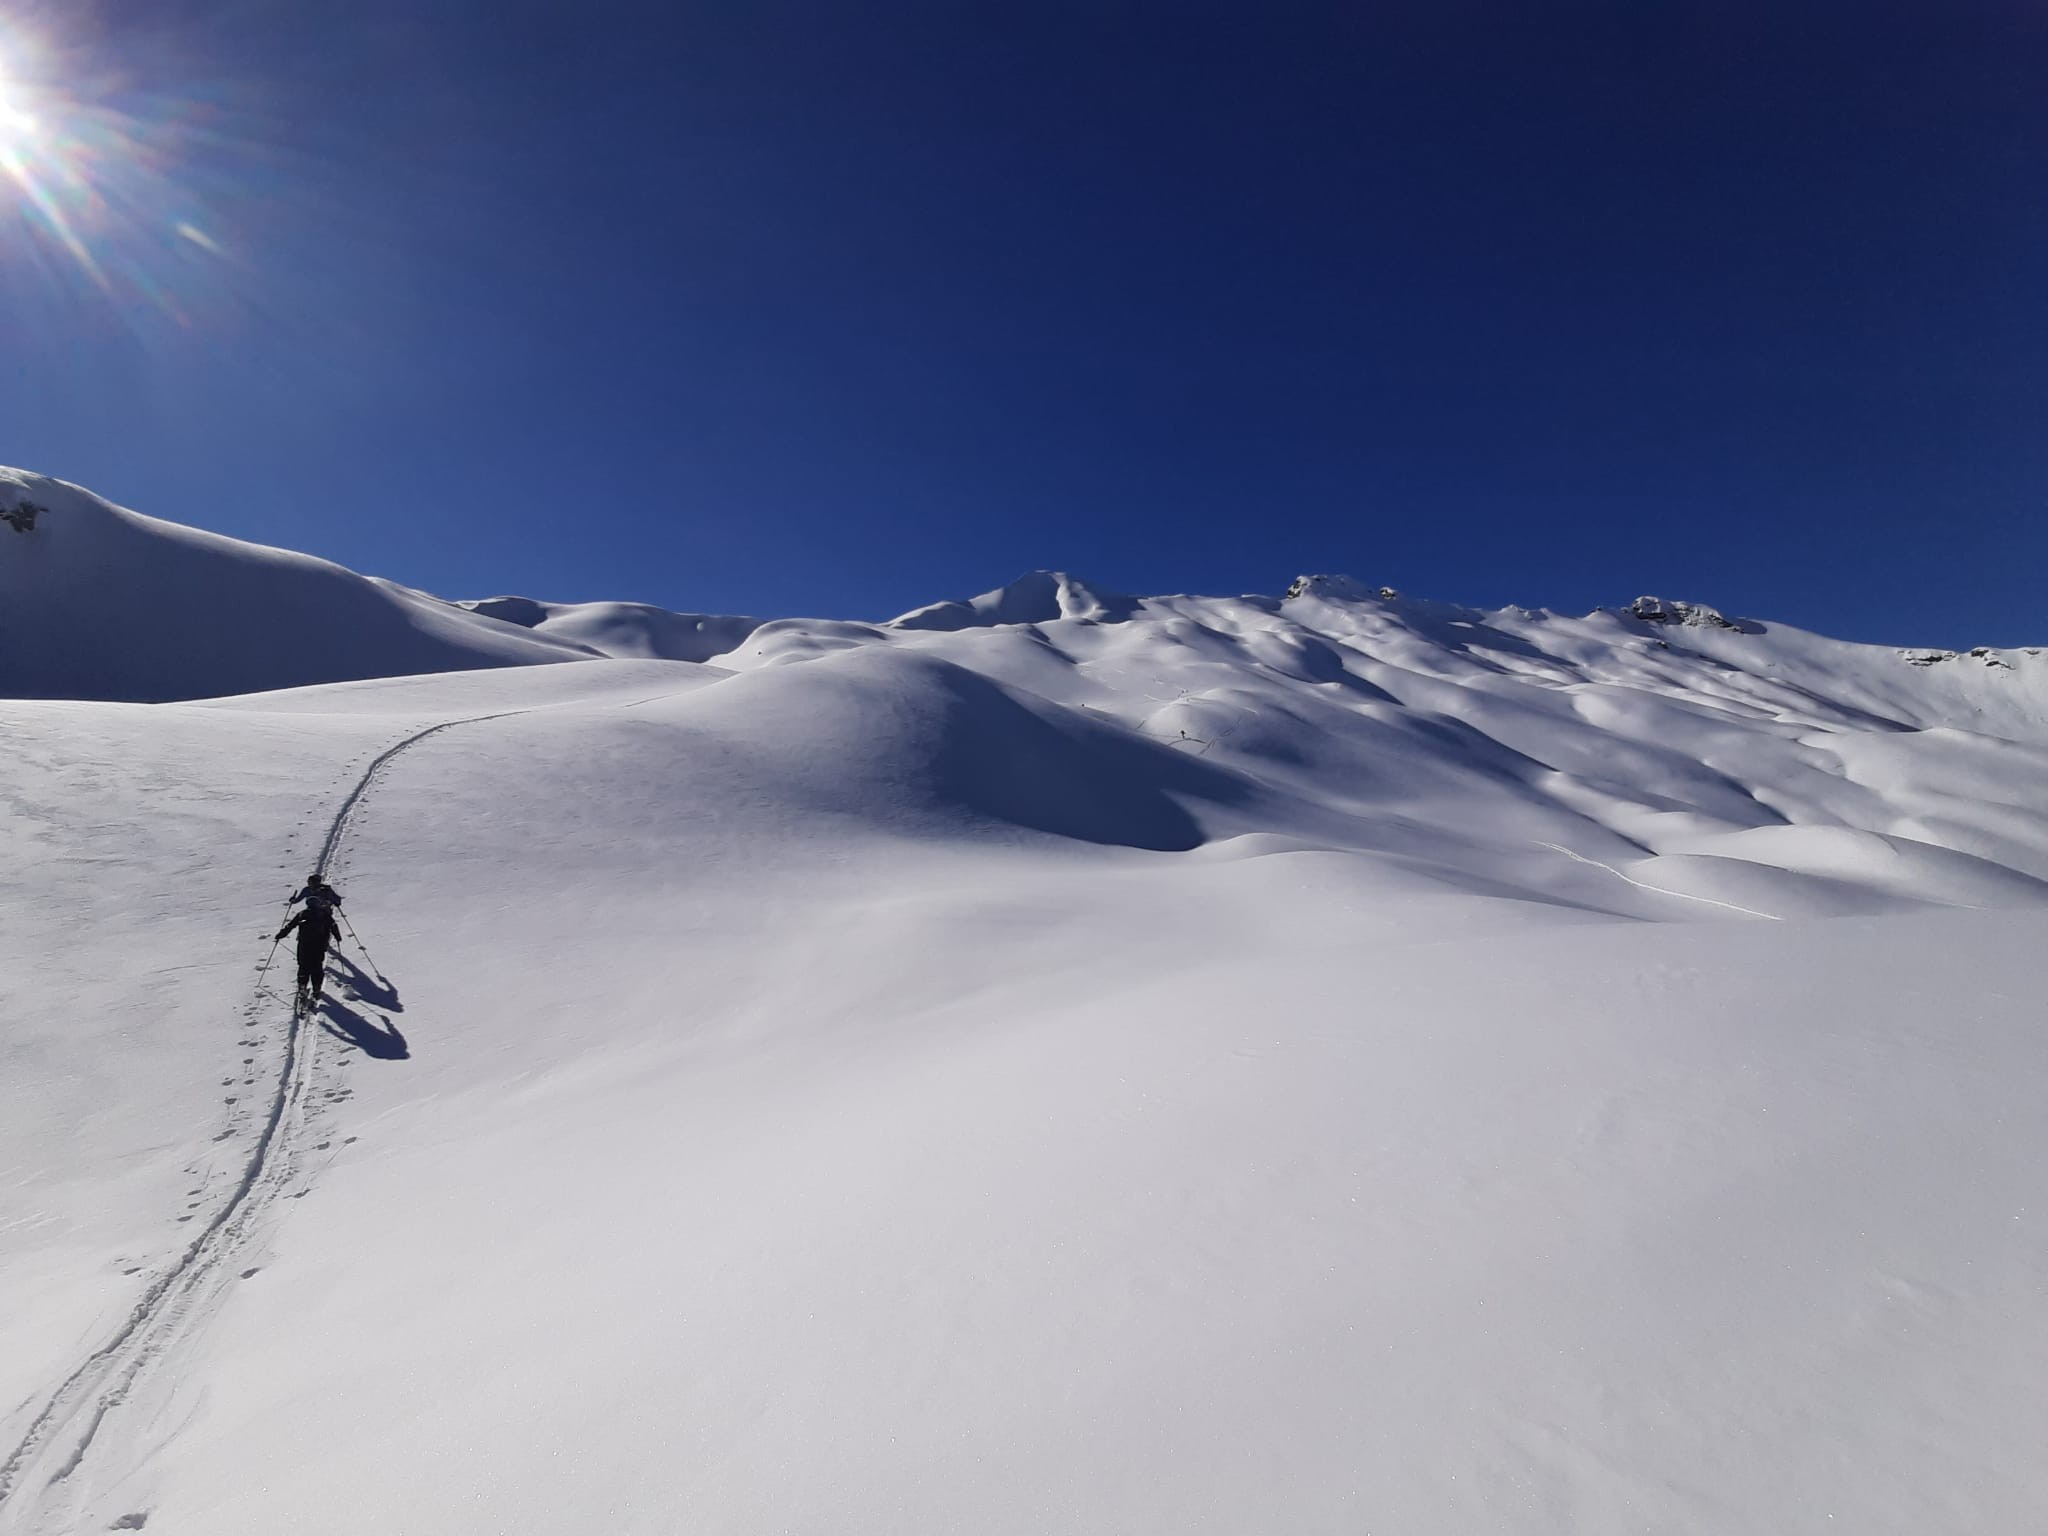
(99, 602)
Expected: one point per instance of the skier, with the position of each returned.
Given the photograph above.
(316, 893)
(316, 931)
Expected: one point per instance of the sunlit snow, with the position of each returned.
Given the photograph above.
(1056, 1062)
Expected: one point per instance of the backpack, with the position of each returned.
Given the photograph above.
(321, 898)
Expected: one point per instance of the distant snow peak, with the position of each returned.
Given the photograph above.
(1038, 597)
(1338, 589)
(1655, 610)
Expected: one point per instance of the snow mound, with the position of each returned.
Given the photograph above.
(1041, 597)
(630, 630)
(917, 741)
(97, 602)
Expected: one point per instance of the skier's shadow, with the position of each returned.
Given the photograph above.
(382, 1041)
(377, 991)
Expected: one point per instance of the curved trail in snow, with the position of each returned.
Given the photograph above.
(1644, 885)
(59, 1437)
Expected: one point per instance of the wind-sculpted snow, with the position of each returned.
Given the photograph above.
(917, 743)
(1327, 1063)
(1475, 741)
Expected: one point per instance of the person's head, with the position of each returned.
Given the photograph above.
(315, 883)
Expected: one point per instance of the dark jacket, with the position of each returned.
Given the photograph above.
(316, 928)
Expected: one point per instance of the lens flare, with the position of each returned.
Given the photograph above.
(96, 169)
(17, 123)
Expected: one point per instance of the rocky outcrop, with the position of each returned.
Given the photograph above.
(1930, 658)
(1337, 589)
(1656, 610)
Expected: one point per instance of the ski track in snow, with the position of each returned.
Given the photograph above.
(71, 1421)
(1644, 885)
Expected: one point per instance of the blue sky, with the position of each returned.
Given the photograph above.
(839, 309)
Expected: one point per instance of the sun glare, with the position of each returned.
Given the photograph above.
(97, 167)
(17, 123)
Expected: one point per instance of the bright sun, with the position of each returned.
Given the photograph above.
(83, 177)
(17, 123)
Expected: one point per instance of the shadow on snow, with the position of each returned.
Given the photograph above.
(382, 1041)
(377, 991)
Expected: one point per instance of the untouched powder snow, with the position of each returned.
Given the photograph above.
(1326, 1064)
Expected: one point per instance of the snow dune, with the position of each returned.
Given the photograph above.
(1325, 1063)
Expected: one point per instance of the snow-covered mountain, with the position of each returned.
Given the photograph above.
(97, 602)
(1055, 1062)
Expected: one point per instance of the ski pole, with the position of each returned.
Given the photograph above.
(264, 969)
(351, 927)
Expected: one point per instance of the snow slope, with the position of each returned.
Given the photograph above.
(1330, 1063)
(102, 603)
(624, 629)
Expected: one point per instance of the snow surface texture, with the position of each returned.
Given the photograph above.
(1327, 1064)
